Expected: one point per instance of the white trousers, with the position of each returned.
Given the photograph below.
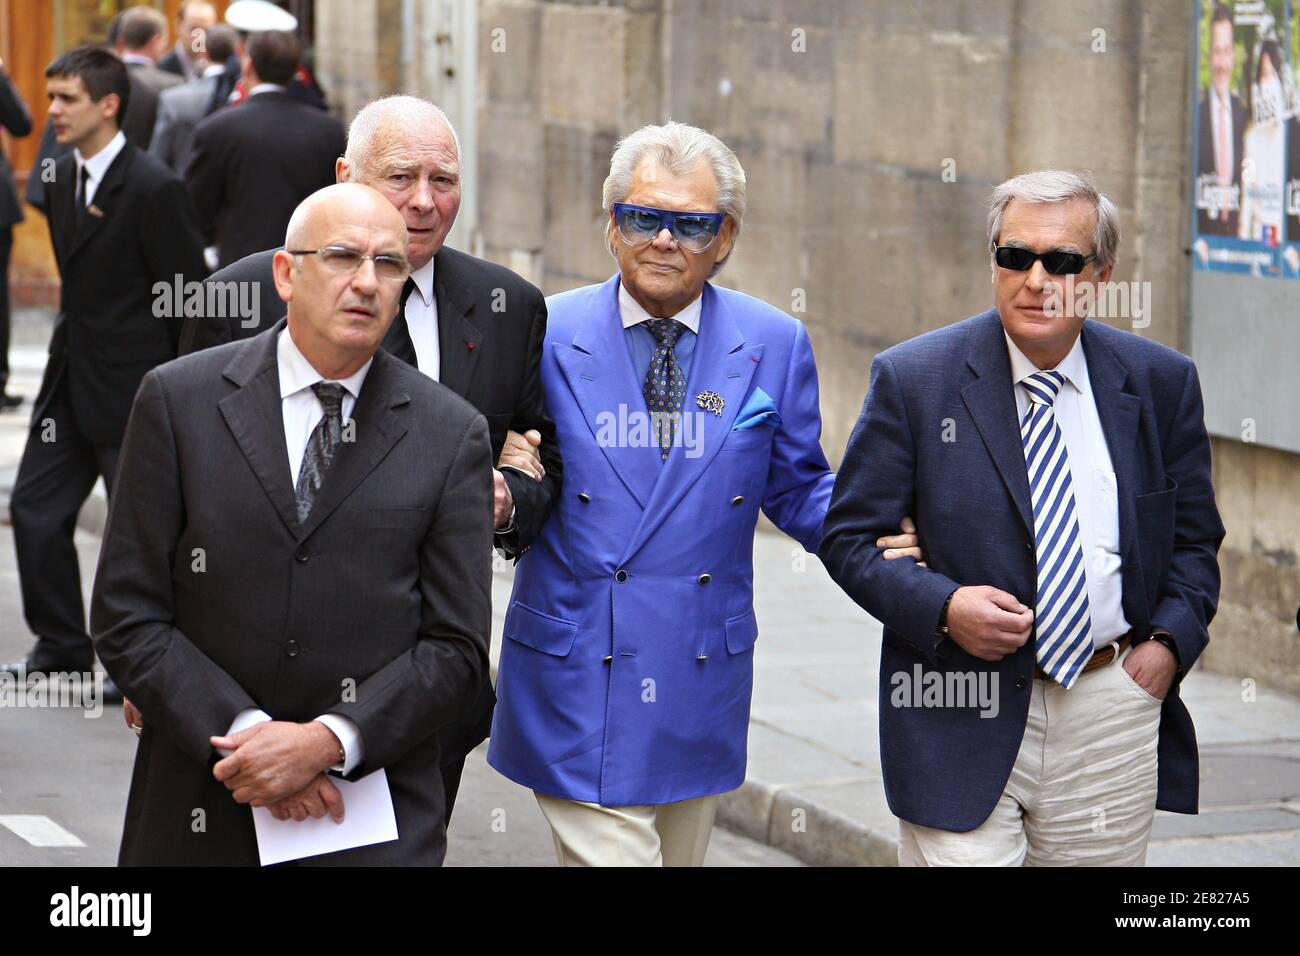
(670, 834)
(1082, 791)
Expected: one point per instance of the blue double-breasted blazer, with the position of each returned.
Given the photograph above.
(627, 666)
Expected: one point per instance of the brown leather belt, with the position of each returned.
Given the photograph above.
(1100, 658)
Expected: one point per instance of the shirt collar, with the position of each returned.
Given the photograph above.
(423, 279)
(1074, 366)
(296, 373)
(632, 313)
(266, 88)
(137, 58)
(99, 163)
(213, 69)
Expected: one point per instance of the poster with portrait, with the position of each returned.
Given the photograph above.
(1246, 211)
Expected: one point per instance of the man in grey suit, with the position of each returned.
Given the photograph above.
(181, 107)
(296, 571)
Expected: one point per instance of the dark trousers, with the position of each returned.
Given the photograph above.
(450, 784)
(54, 480)
(6, 247)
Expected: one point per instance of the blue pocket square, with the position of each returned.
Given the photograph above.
(759, 409)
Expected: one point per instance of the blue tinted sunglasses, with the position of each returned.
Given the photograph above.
(638, 225)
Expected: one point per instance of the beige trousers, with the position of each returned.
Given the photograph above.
(670, 834)
(1082, 791)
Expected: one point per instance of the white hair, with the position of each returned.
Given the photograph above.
(1057, 186)
(378, 117)
(678, 148)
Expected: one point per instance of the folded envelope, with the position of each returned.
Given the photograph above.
(759, 409)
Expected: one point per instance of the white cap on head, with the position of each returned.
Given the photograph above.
(254, 16)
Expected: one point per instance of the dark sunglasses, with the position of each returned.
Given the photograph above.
(1058, 262)
(692, 230)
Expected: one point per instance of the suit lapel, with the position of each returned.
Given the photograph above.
(1120, 414)
(991, 401)
(104, 201)
(63, 206)
(599, 372)
(381, 416)
(719, 364)
(255, 420)
(460, 340)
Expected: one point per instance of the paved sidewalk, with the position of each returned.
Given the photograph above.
(814, 788)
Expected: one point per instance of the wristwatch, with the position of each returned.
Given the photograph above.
(1161, 636)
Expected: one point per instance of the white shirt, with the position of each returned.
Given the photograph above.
(266, 88)
(422, 321)
(98, 164)
(631, 312)
(302, 411)
(1092, 476)
(139, 59)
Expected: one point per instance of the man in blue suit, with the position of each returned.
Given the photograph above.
(1059, 470)
(682, 408)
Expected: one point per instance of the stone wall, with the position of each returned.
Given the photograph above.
(871, 134)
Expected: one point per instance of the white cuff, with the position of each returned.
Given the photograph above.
(243, 720)
(349, 736)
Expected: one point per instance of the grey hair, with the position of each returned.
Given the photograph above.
(400, 111)
(678, 148)
(1057, 186)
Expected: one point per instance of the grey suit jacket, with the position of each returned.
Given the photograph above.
(179, 110)
(211, 598)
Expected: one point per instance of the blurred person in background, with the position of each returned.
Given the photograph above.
(15, 118)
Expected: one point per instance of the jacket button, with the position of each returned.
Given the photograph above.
(609, 658)
(620, 575)
(1021, 682)
(291, 649)
(1029, 546)
(301, 555)
(705, 578)
(584, 497)
(739, 499)
(702, 657)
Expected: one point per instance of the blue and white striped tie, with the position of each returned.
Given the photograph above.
(1064, 627)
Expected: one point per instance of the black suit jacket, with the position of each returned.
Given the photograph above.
(1206, 164)
(491, 326)
(387, 584)
(147, 82)
(110, 330)
(253, 164)
(18, 121)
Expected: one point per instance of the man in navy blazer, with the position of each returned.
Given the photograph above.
(1059, 472)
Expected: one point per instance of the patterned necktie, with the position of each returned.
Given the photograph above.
(1064, 627)
(665, 382)
(321, 446)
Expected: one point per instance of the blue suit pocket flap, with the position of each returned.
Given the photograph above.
(759, 409)
(742, 632)
(538, 630)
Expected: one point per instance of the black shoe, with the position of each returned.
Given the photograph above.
(10, 401)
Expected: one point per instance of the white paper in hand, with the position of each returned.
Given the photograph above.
(368, 818)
